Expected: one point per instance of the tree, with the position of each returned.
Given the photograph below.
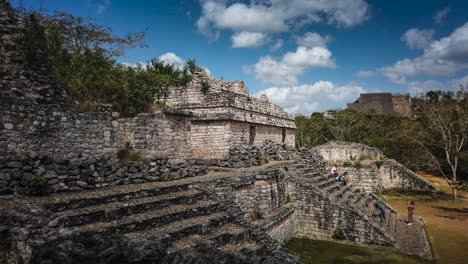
(443, 131)
(192, 66)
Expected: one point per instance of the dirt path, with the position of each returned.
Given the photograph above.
(446, 220)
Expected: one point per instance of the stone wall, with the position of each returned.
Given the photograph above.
(401, 105)
(366, 177)
(319, 217)
(17, 80)
(61, 131)
(214, 139)
(384, 103)
(395, 176)
(343, 151)
(165, 134)
(63, 174)
(210, 139)
(368, 169)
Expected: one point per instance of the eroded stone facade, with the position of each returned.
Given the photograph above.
(384, 103)
(368, 169)
(226, 116)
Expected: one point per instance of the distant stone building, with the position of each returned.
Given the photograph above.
(384, 103)
(226, 116)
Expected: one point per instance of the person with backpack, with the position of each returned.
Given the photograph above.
(343, 177)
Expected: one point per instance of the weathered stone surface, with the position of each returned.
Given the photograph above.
(374, 172)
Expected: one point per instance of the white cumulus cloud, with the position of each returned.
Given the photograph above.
(418, 38)
(418, 88)
(445, 57)
(291, 65)
(172, 59)
(248, 39)
(274, 16)
(308, 98)
(441, 15)
(278, 45)
(312, 39)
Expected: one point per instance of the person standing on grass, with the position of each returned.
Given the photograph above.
(410, 212)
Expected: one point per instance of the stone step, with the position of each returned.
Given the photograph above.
(225, 234)
(151, 219)
(245, 248)
(391, 222)
(86, 198)
(112, 211)
(326, 182)
(182, 228)
(306, 170)
(313, 175)
(332, 187)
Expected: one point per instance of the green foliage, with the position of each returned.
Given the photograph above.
(192, 65)
(347, 164)
(82, 57)
(339, 234)
(378, 163)
(37, 185)
(365, 157)
(357, 164)
(205, 87)
(389, 133)
(33, 44)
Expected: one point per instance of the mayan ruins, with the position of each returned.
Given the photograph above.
(385, 103)
(218, 175)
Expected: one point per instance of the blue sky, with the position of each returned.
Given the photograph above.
(306, 55)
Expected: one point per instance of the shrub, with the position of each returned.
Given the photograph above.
(205, 87)
(379, 163)
(347, 164)
(357, 164)
(339, 234)
(365, 157)
(129, 154)
(256, 215)
(37, 185)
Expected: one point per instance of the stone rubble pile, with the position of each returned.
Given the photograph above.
(61, 174)
(103, 248)
(248, 156)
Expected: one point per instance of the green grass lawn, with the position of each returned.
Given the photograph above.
(327, 252)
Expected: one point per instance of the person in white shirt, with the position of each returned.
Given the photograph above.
(334, 171)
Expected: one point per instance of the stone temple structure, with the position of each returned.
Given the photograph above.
(170, 207)
(226, 116)
(384, 103)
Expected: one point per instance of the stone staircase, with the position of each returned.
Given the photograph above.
(178, 213)
(394, 225)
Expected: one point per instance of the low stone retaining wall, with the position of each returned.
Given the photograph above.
(342, 151)
(61, 174)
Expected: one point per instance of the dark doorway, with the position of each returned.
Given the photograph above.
(283, 131)
(253, 132)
